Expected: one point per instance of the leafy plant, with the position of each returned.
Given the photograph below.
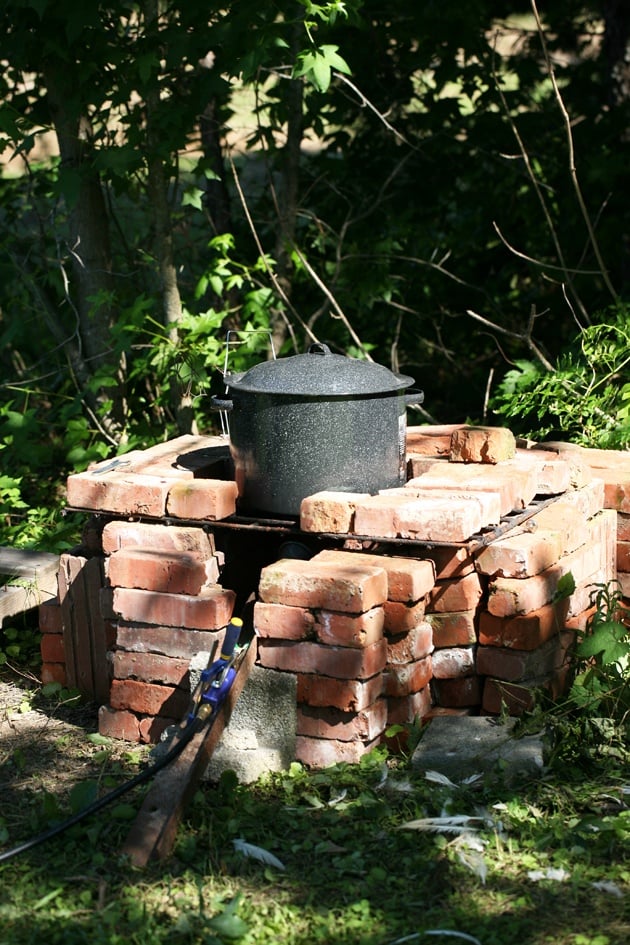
(585, 398)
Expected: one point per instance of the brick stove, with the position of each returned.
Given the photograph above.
(438, 597)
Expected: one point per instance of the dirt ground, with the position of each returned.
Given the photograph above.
(45, 748)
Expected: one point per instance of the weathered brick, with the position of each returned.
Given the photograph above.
(405, 710)
(412, 645)
(121, 492)
(454, 596)
(178, 642)
(148, 699)
(524, 631)
(349, 695)
(489, 502)
(453, 662)
(408, 579)
(453, 629)
(114, 723)
(402, 617)
(566, 516)
(182, 572)
(54, 673)
(152, 728)
(49, 616)
(207, 500)
(434, 440)
(450, 562)
(329, 512)
(401, 679)
(520, 555)
(282, 622)
(616, 489)
(52, 648)
(450, 519)
(623, 526)
(349, 630)
(337, 661)
(516, 485)
(150, 667)
(482, 445)
(553, 474)
(210, 610)
(323, 752)
(517, 697)
(623, 556)
(516, 665)
(179, 538)
(374, 515)
(458, 693)
(331, 723)
(351, 589)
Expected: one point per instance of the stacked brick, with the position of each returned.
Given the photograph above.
(527, 630)
(166, 606)
(351, 627)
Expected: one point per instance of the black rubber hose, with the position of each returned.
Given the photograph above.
(140, 778)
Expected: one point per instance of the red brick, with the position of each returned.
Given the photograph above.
(121, 492)
(482, 445)
(150, 667)
(210, 610)
(516, 485)
(118, 724)
(54, 673)
(515, 665)
(178, 642)
(152, 728)
(330, 723)
(402, 617)
(405, 710)
(408, 579)
(623, 556)
(458, 693)
(516, 698)
(282, 622)
(351, 589)
(489, 502)
(349, 630)
(52, 648)
(623, 527)
(521, 555)
(323, 752)
(412, 645)
(148, 699)
(455, 596)
(401, 679)
(418, 464)
(49, 616)
(553, 473)
(329, 512)
(156, 570)
(454, 662)
(180, 538)
(202, 499)
(454, 629)
(525, 631)
(566, 516)
(450, 562)
(336, 661)
(434, 440)
(350, 695)
(438, 711)
(450, 519)
(374, 515)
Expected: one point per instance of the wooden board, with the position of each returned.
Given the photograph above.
(84, 627)
(28, 578)
(153, 832)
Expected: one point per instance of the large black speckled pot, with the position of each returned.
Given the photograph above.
(313, 422)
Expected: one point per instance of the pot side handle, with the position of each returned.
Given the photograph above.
(219, 403)
(414, 396)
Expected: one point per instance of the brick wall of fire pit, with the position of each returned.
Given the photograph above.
(437, 597)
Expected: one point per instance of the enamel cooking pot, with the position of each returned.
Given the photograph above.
(313, 422)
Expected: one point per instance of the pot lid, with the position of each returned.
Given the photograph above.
(319, 373)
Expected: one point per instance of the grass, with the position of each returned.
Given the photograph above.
(330, 857)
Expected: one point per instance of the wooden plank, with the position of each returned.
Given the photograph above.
(154, 830)
(30, 578)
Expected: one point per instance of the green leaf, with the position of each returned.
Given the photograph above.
(193, 197)
(82, 795)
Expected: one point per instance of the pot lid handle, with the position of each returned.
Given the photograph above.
(318, 347)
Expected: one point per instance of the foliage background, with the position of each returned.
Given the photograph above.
(441, 193)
